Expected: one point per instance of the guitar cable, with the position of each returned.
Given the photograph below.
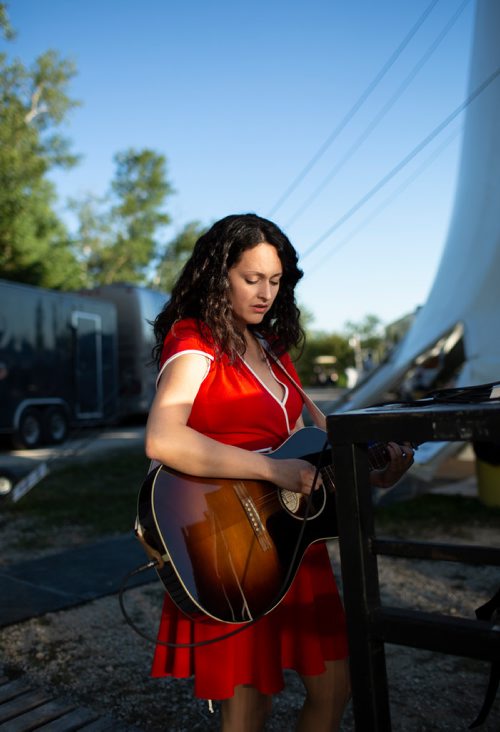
(196, 644)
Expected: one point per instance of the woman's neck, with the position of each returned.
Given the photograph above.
(252, 345)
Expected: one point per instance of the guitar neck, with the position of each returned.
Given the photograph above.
(378, 457)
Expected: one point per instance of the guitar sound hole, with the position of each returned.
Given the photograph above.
(296, 503)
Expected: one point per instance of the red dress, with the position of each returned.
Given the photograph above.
(308, 627)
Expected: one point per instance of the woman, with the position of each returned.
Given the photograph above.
(222, 403)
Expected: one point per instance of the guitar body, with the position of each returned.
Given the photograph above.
(233, 547)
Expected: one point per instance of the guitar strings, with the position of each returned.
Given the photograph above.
(246, 625)
(376, 460)
(269, 497)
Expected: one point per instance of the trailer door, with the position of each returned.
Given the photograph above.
(87, 329)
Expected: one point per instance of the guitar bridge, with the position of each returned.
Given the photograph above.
(253, 515)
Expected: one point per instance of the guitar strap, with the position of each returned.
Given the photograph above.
(317, 415)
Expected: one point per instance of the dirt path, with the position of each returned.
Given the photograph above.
(91, 656)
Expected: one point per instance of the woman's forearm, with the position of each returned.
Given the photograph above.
(184, 449)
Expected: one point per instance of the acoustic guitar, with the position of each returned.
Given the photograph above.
(232, 547)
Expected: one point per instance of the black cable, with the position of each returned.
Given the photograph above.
(151, 639)
(387, 202)
(248, 624)
(466, 394)
(356, 106)
(478, 394)
(381, 114)
(383, 181)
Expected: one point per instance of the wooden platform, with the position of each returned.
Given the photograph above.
(24, 708)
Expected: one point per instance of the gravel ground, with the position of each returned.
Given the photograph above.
(91, 656)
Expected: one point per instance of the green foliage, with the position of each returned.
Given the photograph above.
(348, 349)
(177, 253)
(5, 26)
(435, 511)
(34, 244)
(323, 344)
(369, 330)
(368, 340)
(117, 238)
(100, 496)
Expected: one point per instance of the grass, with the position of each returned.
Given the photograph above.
(99, 496)
(435, 511)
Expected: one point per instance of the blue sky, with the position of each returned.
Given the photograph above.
(241, 96)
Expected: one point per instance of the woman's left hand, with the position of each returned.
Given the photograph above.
(400, 459)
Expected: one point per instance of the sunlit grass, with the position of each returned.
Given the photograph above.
(99, 496)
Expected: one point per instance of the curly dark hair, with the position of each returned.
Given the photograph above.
(202, 288)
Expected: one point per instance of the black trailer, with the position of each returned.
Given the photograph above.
(58, 363)
(136, 308)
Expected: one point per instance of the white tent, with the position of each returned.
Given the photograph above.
(466, 290)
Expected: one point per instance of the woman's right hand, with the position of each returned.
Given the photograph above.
(294, 475)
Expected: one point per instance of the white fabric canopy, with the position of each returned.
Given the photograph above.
(466, 288)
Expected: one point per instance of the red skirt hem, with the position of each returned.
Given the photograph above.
(305, 630)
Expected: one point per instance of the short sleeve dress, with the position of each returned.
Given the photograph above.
(307, 628)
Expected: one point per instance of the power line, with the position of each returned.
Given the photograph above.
(406, 184)
(378, 118)
(364, 96)
(402, 163)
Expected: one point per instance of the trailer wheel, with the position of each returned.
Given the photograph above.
(29, 433)
(7, 482)
(55, 425)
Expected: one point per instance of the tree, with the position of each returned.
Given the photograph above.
(368, 341)
(34, 245)
(177, 253)
(319, 345)
(93, 237)
(368, 329)
(5, 26)
(118, 235)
